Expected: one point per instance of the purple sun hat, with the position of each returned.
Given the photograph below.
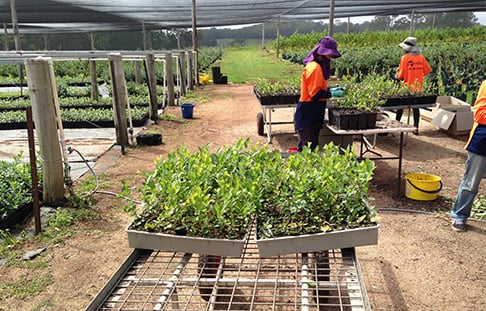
(328, 46)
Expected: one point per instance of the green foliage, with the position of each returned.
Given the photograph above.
(203, 194)
(479, 207)
(7, 241)
(61, 218)
(379, 39)
(316, 191)
(282, 86)
(365, 95)
(15, 185)
(30, 286)
(208, 56)
(457, 67)
(218, 194)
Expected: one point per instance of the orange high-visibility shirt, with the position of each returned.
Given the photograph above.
(480, 105)
(312, 82)
(412, 70)
(479, 111)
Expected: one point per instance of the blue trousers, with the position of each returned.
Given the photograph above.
(308, 135)
(475, 169)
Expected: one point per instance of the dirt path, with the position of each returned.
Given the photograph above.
(418, 264)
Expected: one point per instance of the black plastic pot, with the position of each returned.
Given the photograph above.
(149, 139)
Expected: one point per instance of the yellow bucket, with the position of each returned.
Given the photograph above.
(422, 187)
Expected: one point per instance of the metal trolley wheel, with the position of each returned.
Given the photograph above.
(260, 123)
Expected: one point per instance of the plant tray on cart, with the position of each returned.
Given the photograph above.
(181, 243)
(317, 242)
(277, 99)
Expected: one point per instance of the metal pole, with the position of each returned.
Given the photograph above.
(33, 170)
(278, 35)
(195, 47)
(263, 35)
(412, 19)
(15, 26)
(330, 29)
(194, 26)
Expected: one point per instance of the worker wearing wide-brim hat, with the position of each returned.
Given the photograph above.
(412, 70)
(314, 92)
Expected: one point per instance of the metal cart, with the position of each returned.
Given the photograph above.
(264, 118)
(157, 280)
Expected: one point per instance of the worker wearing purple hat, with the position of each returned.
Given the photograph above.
(314, 92)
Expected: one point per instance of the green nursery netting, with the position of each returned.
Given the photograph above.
(62, 16)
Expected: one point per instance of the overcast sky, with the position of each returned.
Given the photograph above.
(480, 15)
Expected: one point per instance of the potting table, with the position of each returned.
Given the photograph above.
(157, 280)
(409, 108)
(383, 126)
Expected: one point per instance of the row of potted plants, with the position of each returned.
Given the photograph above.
(218, 195)
(359, 107)
(74, 118)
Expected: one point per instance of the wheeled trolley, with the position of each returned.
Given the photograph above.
(264, 119)
(156, 280)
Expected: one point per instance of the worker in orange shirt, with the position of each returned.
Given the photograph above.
(412, 70)
(475, 167)
(309, 114)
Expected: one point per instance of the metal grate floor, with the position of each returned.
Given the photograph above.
(157, 280)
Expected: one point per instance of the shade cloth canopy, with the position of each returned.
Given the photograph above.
(64, 16)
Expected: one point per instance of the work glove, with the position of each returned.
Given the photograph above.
(337, 91)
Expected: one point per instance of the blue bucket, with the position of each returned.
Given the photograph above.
(187, 110)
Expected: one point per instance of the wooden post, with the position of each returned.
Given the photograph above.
(120, 99)
(182, 70)
(190, 70)
(95, 93)
(152, 85)
(169, 77)
(330, 30)
(5, 37)
(195, 69)
(42, 85)
(138, 72)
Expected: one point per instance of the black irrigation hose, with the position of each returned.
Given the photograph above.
(95, 190)
(391, 209)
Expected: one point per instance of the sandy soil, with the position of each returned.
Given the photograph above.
(419, 263)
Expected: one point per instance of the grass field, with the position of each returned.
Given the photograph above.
(247, 64)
